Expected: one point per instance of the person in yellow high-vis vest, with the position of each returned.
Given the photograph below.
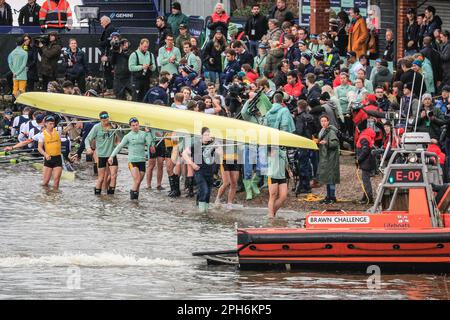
(49, 145)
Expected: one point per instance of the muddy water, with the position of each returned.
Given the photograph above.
(71, 244)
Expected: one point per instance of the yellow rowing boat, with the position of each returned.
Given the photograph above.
(165, 118)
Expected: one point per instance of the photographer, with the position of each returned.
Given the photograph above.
(122, 75)
(109, 34)
(430, 118)
(50, 51)
(233, 100)
(74, 61)
(141, 64)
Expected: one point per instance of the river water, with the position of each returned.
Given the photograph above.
(73, 245)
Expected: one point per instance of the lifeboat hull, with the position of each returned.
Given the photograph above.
(421, 250)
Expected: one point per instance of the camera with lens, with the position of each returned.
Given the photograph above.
(430, 114)
(115, 44)
(236, 90)
(41, 39)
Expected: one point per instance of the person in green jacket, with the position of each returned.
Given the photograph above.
(17, 62)
(105, 137)
(192, 60)
(329, 170)
(182, 37)
(169, 56)
(136, 140)
(278, 117)
(342, 92)
(177, 18)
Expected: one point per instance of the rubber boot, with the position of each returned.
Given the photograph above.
(254, 185)
(176, 187)
(202, 207)
(248, 189)
(172, 185)
(190, 187)
(97, 192)
(134, 195)
(206, 206)
(111, 190)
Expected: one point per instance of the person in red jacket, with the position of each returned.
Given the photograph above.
(434, 148)
(219, 19)
(55, 15)
(294, 87)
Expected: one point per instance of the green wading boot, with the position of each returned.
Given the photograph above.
(248, 189)
(254, 185)
(202, 207)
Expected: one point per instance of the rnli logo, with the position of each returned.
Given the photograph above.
(339, 220)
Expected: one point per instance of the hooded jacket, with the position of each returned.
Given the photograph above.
(329, 171)
(364, 146)
(273, 60)
(279, 117)
(382, 76)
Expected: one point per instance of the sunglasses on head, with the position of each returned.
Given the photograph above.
(49, 119)
(132, 120)
(104, 116)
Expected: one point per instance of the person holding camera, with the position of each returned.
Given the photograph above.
(122, 75)
(430, 118)
(50, 51)
(74, 61)
(109, 35)
(141, 64)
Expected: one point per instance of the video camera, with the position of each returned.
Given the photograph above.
(44, 39)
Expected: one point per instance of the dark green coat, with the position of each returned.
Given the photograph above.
(328, 172)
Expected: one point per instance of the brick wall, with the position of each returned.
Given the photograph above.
(403, 5)
(320, 16)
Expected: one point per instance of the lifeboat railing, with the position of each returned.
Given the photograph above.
(411, 169)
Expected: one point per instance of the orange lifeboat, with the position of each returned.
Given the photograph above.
(407, 229)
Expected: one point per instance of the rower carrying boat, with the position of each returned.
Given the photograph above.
(407, 229)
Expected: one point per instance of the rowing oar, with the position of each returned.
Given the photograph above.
(7, 144)
(7, 153)
(19, 160)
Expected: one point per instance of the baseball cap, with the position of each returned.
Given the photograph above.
(446, 88)
(351, 54)
(182, 26)
(8, 112)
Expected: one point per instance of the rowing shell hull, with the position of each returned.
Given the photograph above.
(396, 250)
(164, 118)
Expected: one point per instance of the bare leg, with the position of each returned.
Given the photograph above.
(282, 196)
(56, 177)
(135, 174)
(151, 165)
(100, 178)
(226, 181)
(234, 177)
(46, 176)
(113, 170)
(159, 171)
(273, 195)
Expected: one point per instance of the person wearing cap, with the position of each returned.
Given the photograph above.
(182, 37)
(305, 60)
(136, 140)
(358, 33)
(255, 28)
(411, 32)
(197, 84)
(141, 64)
(382, 75)
(105, 139)
(50, 54)
(29, 139)
(261, 59)
(442, 101)
(445, 56)
(169, 56)
(314, 45)
(413, 77)
(408, 99)
(423, 66)
(430, 118)
(176, 19)
(6, 123)
(49, 145)
(17, 62)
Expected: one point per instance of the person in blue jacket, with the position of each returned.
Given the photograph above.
(230, 70)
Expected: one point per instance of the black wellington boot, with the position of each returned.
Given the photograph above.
(97, 192)
(176, 187)
(111, 190)
(172, 185)
(190, 186)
